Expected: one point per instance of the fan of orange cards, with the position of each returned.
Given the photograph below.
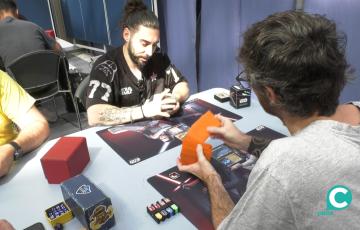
(198, 134)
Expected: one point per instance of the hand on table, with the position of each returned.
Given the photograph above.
(156, 107)
(171, 103)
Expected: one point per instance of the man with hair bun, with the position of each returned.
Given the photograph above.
(135, 81)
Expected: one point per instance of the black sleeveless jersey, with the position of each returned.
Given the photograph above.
(112, 82)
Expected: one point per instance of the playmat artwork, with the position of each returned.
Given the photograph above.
(142, 140)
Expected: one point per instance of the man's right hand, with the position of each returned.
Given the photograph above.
(201, 169)
(231, 135)
(159, 106)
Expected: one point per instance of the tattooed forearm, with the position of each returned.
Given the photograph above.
(110, 116)
(104, 114)
(257, 145)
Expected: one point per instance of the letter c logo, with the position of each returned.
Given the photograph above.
(338, 198)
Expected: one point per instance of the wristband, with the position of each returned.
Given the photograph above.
(142, 112)
(257, 145)
(131, 119)
(18, 151)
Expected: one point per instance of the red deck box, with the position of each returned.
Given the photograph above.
(67, 158)
(50, 33)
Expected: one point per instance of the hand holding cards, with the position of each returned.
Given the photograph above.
(157, 106)
(198, 134)
(170, 104)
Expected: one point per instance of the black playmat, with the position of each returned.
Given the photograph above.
(141, 140)
(190, 193)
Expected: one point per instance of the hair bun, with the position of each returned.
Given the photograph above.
(133, 6)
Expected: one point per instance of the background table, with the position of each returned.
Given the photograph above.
(25, 192)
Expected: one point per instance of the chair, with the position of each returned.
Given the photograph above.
(38, 73)
(81, 90)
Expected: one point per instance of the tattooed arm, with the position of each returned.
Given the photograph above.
(104, 114)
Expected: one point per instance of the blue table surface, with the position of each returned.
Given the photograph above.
(25, 192)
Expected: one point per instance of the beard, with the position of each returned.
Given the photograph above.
(266, 104)
(136, 59)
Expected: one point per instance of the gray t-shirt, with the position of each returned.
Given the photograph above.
(288, 187)
(19, 37)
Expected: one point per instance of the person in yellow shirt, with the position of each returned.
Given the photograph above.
(22, 126)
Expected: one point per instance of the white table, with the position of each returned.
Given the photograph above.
(25, 192)
(65, 44)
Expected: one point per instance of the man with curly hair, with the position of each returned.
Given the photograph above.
(295, 63)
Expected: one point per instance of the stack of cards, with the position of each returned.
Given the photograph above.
(222, 96)
(198, 134)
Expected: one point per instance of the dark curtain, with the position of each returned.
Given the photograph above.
(202, 38)
(178, 36)
(219, 43)
(36, 11)
(222, 23)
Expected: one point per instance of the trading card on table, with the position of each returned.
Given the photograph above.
(226, 159)
(222, 96)
(181, 136)
(232, 159)
(227, 156)
(179, 131)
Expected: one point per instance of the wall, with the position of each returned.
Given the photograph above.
(178, 36)
(346, 15)
(217, 26)
(37, 13)
(222, 23)
(86, 20)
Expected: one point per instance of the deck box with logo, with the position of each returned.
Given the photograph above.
(240, 96)
(88, 203)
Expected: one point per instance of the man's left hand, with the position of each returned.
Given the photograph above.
(171, 103)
